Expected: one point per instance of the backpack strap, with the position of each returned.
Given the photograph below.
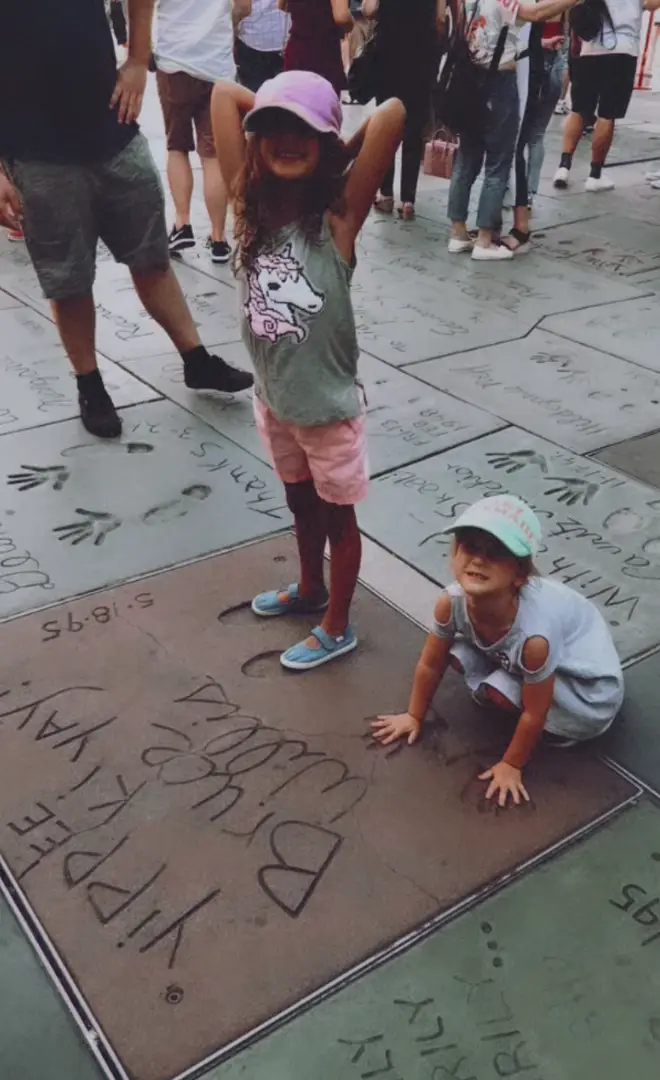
(499, 51)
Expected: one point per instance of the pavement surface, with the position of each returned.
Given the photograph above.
(208, 869)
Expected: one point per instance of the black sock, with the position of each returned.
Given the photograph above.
(596, 170)
(91, 384)
(195, 356)
(566, 161)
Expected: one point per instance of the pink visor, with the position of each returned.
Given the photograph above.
(308, 96)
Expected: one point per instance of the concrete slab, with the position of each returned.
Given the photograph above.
(36, 382)
(37, 1036)
(206, 837)
(629, 329)
(79, 514)
(575, 396)
(550, 978)
(637, 457)
(601, 531)
(406, 420)
(7, 301)
(634, 742)
(124, 329)
(617, 245)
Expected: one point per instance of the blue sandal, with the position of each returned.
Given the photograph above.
(302, 657)
(268, 604)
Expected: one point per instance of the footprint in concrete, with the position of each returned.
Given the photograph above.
(238, 615)
(265, 665)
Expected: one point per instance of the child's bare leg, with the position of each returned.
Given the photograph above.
(500, 700)
(345, 558)
(310, 515)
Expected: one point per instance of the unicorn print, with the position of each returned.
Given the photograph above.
(278, 290)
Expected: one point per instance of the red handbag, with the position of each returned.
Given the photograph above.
(439, 154)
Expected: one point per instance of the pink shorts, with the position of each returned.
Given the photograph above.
(334, 456)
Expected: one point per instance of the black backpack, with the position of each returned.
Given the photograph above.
(461, 93)
(588, 18)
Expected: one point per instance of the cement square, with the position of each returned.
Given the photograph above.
(601, 530)
(79, 514)
(637, 457)
(36, 382)
(548, 979)
(7, 301)
(617, 245)
(570, 394)
(629, 329)
(37, 1036)
(206, 838)
(406, 420)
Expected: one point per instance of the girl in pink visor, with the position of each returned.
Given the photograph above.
(532, 646)
(301, 196)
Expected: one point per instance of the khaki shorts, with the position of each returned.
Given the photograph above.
(186, 105)
(67, 209)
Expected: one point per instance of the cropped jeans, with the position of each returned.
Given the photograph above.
(495, 151)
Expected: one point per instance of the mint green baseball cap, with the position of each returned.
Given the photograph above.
(506, 517)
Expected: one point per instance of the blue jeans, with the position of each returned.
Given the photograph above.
(555, 65)
(494, 151)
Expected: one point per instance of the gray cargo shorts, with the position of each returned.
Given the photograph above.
(68, 208)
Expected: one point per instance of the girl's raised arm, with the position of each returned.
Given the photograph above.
(229, 104)
(373, 147)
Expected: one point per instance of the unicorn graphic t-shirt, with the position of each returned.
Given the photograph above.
(299, 328)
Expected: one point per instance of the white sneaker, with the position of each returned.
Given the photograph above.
(458, 247)
(562, 108)
(493, 253)
(600, 184)
(561, 178)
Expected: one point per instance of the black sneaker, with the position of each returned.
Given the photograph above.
(180, 239)
(220, 250)
(99, 415)
(214, 373)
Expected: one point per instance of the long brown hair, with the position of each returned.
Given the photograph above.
(256, 196)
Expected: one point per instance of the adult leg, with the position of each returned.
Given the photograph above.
(585, 93)
(501, 135)
(548, 98)
(181, 182)
(411, 152)
(61, 233)
(467, 166)
(132, 224)
(176, 92)
(215, 192)
(616, 87)
(385, 198)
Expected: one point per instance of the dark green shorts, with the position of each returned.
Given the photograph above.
(67, 209)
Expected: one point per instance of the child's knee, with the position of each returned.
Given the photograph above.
(499, 699)
(301, 498)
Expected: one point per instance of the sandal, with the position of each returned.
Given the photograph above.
(384, 203)
(407, 211)
(303, 657)
(268, 604)
(522, 241)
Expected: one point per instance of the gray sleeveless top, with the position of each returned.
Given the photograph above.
(299, 328)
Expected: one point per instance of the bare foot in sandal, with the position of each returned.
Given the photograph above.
(517, 241)
(407, 211)
(384, 203)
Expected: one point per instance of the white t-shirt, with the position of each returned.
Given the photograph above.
(195, 36)
(626, 36)
(491, 16)
(266, 29)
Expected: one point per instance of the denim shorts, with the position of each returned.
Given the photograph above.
(67, 209)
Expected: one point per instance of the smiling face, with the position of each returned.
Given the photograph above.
(289, 148)
(483, 567)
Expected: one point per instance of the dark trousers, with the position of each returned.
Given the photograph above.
(254, 68)
(417, 110)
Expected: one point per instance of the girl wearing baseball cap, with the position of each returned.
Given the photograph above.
(529, 645)
(301, 196)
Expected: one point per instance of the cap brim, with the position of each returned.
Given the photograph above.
(295, 110)
(521, 551)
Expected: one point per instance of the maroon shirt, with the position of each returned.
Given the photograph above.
(315, 41)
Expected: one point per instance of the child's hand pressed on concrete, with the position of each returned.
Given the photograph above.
(507, 780)
(387, 729)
